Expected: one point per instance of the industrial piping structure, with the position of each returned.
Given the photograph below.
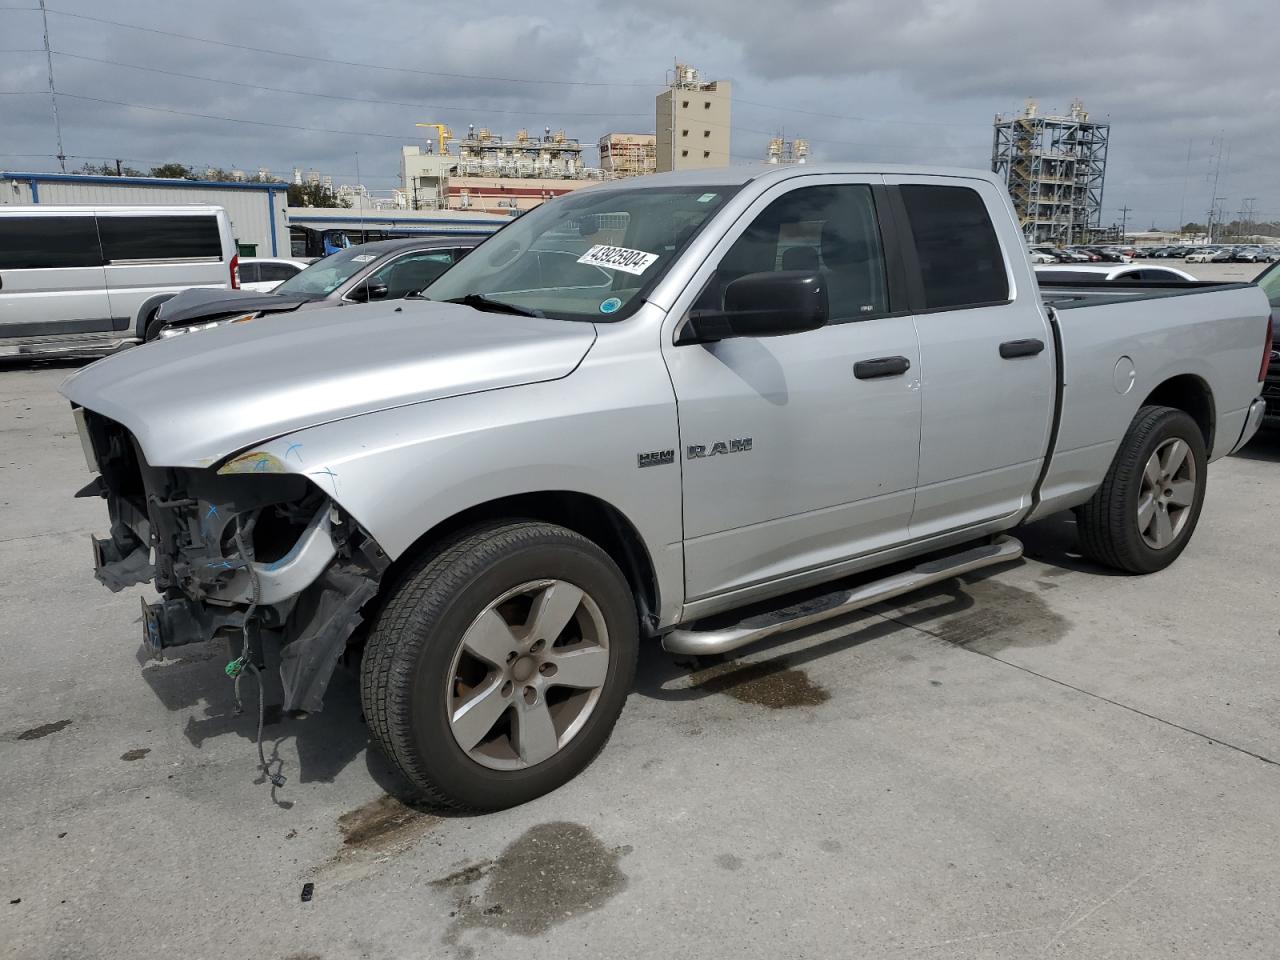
(1054, 167)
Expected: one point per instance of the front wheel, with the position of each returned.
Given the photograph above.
(1143, 515)
(499, 665)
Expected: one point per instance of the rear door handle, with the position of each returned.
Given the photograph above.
(881, 367)
(1020, 348)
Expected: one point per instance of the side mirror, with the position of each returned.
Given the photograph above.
(770, 304)
(369, 290)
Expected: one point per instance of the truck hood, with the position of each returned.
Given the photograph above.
(193, 400)
(201, 303)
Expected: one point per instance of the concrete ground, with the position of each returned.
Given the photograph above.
(1047, 760)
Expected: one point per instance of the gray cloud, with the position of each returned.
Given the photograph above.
(925, 77)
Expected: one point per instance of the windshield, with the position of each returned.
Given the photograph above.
(327, 275)
(590, 255)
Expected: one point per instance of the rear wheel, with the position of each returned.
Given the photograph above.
(499, 664)
(1143, 515)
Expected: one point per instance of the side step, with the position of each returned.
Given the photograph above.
(691, 640)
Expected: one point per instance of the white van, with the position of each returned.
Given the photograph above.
(89, 279)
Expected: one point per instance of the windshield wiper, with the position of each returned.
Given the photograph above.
(478, 301)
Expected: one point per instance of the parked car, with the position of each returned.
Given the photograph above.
(1043, 255)
(1225, 255)
(89, 280)
(1091, 274)
(651, 409)
(1108, 254)
(264, 274)
(382, 270)
(1202, 255)
(1253, 255)
(1082, 255)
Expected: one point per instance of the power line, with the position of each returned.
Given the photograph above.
(332, 96)
(311, 58)
(209, 116)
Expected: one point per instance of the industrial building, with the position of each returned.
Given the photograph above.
(257, 210)
(490, 172)
(1054, 168)
(783, 151)
(628, 154)
(693, 118)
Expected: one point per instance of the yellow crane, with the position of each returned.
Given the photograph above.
(443, 135)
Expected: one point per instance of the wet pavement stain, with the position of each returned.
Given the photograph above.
(727, 861)
(136, 754)
(551, 873)
(994, 616)
(773, 684)
(37, 733)
(383, 821)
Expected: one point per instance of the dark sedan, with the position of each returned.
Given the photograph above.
(382, 270)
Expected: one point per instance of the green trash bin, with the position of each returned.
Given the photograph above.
(246, 249)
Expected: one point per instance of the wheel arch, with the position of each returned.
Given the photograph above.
(1192, 395)
(598, 521)
(144, 312)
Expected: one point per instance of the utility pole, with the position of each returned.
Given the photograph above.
(118, 173)
(53, 92)
(1124, 220)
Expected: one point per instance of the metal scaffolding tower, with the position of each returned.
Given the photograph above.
(1054, 167)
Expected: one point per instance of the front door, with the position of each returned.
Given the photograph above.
(791, 460)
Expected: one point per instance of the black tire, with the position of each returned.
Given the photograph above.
(151, 330)
(411, 648)
(1108, 524)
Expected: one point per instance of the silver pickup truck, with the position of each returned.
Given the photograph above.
(649, 410)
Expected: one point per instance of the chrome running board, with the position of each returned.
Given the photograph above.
(758, 626)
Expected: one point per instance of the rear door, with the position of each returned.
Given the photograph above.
(986, 354)
(52, 281)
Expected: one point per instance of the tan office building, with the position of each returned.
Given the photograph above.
(692, 120)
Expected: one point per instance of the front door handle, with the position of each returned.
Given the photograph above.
(881, 367)
(1020, 348)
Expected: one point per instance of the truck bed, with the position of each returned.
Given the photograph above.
(1068, 295)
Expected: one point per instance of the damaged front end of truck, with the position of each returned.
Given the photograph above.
(240, 549)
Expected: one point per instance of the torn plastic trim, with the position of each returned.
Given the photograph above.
(291, 574)
(324, 620)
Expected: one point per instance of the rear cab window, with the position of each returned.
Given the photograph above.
(961, 262)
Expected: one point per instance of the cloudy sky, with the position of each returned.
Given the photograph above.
(914, 81)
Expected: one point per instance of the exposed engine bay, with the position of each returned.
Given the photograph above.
(237, 550)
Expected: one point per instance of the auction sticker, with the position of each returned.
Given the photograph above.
(618, 258)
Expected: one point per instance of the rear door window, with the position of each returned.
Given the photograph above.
(42, 243)
(186, 237)
(961, 264)
(249, 272)
(271, 272)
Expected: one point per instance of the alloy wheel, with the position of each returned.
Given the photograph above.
(527, 674)
(1167, 493)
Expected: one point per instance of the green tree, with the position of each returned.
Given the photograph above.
(1193, 227)
(314, 195)
(174, 171)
